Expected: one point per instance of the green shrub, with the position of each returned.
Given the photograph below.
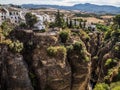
(108, 34)
(64, 35)
(84, 55)
(115, 86)
(69, 48)
(16, 46)
(115, 33)
(77, 46)
(101, 86)
(84, 35)
(58, 50)
(117, 48)
(110, 72)
(95, 57)
(87, 58)
(22, 25)
(51, 51)
(108, 62)
(6, 28)
(102, 27)
(61, 50)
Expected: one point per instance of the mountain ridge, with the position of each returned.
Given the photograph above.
(87, 7)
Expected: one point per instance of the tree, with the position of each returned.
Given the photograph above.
(64, 35)
(30, 20)
(22, 25)
(75, 22)
(67, 22)
(116, 20)
(80, 23)
(71, 24)
(84, 23)
(59, 20)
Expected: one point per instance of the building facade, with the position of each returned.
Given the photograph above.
(11, 14)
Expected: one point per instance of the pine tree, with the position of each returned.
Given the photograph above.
(71, 24)
(67, 22)
(75, 22)
(59, 20)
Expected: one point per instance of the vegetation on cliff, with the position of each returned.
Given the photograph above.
(70, 60)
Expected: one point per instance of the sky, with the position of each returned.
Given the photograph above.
(62, 2)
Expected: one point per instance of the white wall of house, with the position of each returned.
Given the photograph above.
(14, 16)
(3, 15)
(39, 25)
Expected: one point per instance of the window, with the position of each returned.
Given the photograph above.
(16, 13)
(10, 13)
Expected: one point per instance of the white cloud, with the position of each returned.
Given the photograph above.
(63, 2)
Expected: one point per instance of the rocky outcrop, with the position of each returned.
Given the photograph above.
(34, 69)
(52, 73)
(14, 72)
(80, 61)
(69, 72)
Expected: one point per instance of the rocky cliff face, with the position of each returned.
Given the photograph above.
(14, 71)
(76, 69)
(34, 69)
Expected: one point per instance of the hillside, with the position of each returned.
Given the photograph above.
(64, 56)
(87, 7)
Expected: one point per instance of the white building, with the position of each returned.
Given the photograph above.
(39, 26)
(3, 15)
(41, 19)
(12, 14)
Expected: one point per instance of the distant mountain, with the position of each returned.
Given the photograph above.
(92, 8)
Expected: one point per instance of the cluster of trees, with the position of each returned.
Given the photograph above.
(68, 23)
(30, 20)
(116, 20)
(59, 21)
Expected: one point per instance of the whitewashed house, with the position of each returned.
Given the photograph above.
(91, 27)
(40, 24)
(3, 15)
(12, 14)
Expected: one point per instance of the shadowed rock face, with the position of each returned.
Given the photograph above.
(52, 73)
(80, 73)
(14, 73)
(81, 69)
